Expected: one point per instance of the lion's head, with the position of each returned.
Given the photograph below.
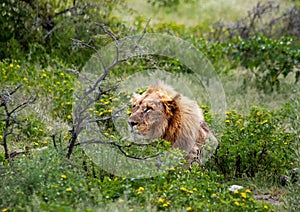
(151, 113)
(161, 112)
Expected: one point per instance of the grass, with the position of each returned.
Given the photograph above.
(198, 12)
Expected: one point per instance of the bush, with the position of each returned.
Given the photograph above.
(268, 59)
(255, 143)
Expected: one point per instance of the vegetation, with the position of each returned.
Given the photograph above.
(44, 49)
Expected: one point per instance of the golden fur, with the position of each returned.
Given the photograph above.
(162, 113)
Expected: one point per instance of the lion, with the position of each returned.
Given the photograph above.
(162, 113)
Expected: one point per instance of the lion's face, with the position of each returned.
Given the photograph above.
(148, 116)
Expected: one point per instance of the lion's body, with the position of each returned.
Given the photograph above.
(161, 112)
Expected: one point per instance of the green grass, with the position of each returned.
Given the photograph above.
(199, 12)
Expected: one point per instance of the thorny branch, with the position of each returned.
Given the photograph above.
(85, 101)
(9, 116)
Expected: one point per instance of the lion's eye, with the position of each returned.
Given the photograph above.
(147, 109)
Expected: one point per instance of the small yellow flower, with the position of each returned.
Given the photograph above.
(182, 189)
(11, 65)
(112, 136)
(68, 103)
(171, 169)
(69, 117)
(236, 191)
(25, 79)
(227, 121)
(36, 144)
(264, 121)
(121, 201)
(266, 207)
(244, 195)
(166, 204)
(214, 195)
(195, 189)
(4, 210)
(189, 208)
(139, 190)
(236, 203)
(285, 143)
(248, 191)
(44, 75)
(106, 103)
(18, 66)
(68, 189)
(63, 176)
(161, 200)
(291, 163)
(1, 137)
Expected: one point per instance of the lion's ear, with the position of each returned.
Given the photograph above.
(134, 98)
(170, 105)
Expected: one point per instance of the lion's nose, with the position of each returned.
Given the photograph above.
(132, 123)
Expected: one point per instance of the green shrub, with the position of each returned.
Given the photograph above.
(268, 59)
(255, 143)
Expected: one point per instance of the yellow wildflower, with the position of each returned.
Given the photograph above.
(266, 207)
(18, 66)
(189, 208)
(227, 121)
(171, 169)
(236, 191)
(248, 191)
(63, 176)
(166, 204)
(1, 137)
(68, 189)
(161, 200)
(139, 190)
(69, 117)
(236, 203)
(25, 79)
(4, 210)
(264, 121)
(182, 189)
(214, 195)
(244, 195)
(11, 65)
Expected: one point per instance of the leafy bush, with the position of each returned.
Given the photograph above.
(255, 143)
(268, 59)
